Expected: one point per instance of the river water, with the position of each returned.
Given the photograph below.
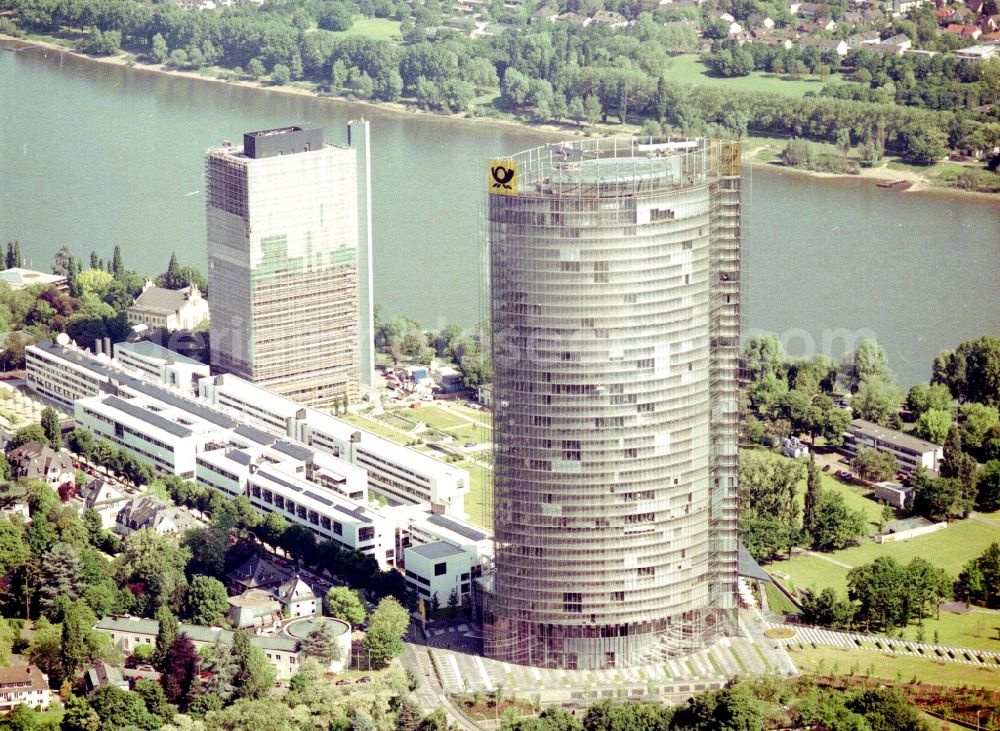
(93, 155)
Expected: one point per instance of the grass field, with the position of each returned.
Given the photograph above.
(477, 499)
(435, 417)
(373, 426)
(830, 660)
(948, 549)
(777, 601)
(377, 29)
(688, 69)
(976, 629)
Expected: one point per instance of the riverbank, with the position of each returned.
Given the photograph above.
(919, 182)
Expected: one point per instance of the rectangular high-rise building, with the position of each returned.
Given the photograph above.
(615, 312)
(284, 230)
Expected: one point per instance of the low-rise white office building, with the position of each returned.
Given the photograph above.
(437, 569)
(909, 451)
(160, 364)
(401, 474)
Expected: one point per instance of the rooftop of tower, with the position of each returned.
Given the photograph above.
(622, 166)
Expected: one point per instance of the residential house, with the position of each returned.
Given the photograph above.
(964, 31)
(610, 18)
(105, 499)
(298, 599)
(900, 39)
(151, 512)
(978, 52)
(943, 15)
(23, 685)
(793, 447)
(36, 461)
(543, 15)
(884, 49)
(257, 572)
(102, 674)
(860, 40)
(255, 610)
(825, 44)
(811, 11)
(171, 309)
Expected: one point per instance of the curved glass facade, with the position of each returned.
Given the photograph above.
(614, 400)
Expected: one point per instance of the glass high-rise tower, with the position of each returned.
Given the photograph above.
(615, 312)
(284, 232)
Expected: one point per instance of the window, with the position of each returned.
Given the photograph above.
(647, 571)
(572, 602)
(618, 596)
(338, 528)
(366, 534)
(440, 569)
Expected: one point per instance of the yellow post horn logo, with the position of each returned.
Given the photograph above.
(503, 177)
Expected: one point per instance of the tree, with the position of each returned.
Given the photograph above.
(180, 671)
(886, 709)
(972, 371)
(255, 68)
(988, 486)
(12, 355)
(941, 498)
(875, 465)
(867, 361)
(933, 425)
(166, 633)
(62, 575)
(923, 397)
(117, 266)
(957, 464)
(592, 109)
(221, 666)
(119, 709)
(733, 709)
(207, 600)
(30, 433)
(928, 585)
(321, 643)
(50, 425)
(837, 525)
(79, 716)
(814, 492)
(74, 647)
(155, 698)
(344, 603)
(827, 609)
(280, 74)
(159, 53)
(255, 674)
(977, 420)
(877, 400)
(880, 588)
(154, 569)
(386, 627)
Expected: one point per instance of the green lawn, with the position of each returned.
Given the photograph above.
(949, 549)
(688, 69)
(435, 417)
(976, 629)
(777, 601)
(477, 501)
(827, 660)
(373, 426)
(377, 29)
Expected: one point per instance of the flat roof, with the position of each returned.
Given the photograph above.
(436, 550)
(892, 436)
(147, 416)
(149, 349)
(466, 531)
